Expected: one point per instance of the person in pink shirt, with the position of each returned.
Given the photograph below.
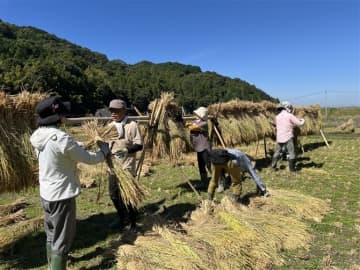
(285, 122)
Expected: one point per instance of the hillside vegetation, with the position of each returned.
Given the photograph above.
(33, 59)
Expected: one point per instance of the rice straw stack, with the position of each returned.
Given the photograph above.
(179, 140)
(161, 109)
(18, 165)
(244, 122)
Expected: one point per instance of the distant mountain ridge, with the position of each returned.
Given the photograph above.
(35, 60)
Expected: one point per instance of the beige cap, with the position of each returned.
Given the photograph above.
(202, 112)
(117, 104)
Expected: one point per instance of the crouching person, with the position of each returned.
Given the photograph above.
(58, 154)
(235, 163)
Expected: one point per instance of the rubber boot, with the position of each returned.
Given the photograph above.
(273, 163)
(132, 217)
(292, 165)
(48, 254)
(58, 262)
(119, 222)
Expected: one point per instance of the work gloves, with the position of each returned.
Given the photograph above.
(104, 148)
(192, 127)
(121, 153)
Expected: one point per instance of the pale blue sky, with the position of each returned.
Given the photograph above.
(304, 51)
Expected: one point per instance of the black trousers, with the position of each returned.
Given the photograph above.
(203, 159)
(124, 211)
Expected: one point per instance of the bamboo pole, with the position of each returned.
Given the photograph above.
(219, 136)
(189, 183)
(323, 136)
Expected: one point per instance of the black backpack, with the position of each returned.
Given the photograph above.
(220, 156)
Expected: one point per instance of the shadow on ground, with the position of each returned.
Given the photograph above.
(29, 251)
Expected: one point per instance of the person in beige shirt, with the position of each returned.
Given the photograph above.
(124, 149)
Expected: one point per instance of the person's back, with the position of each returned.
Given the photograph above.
(58, 155)
(236, 163)
(200, 142)
(285, 123)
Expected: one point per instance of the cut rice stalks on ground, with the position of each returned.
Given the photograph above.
(7, 209)
(12, 218)
(11, 234)
(229, 236)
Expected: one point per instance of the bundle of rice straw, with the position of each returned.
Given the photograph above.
(159, 139)
(287, 202)
(227, 236)
(131, 191)
(179, 140)
(18, 165)
(7, 209)
(11, 234)
(347, 126)
(12, 218)
(243, 122)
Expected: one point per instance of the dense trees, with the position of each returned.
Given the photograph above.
(34, 60)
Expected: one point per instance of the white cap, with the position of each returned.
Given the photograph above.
(202, 112)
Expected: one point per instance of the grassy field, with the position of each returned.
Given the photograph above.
(331, 174)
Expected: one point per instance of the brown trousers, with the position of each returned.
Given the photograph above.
(233, 170)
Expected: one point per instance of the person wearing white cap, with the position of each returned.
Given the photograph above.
(285, 123)
(199, 138)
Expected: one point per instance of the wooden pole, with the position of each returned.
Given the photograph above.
(323, 136)
(219, 136)
(189, 183)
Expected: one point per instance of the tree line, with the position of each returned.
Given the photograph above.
(34, 60)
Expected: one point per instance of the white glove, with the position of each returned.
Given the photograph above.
(302, 121)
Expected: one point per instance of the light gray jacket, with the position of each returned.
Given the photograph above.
(58, 155)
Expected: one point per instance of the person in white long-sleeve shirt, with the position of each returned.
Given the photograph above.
(58, 154)
(285, 123)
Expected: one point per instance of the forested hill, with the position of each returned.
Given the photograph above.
(33, 60)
